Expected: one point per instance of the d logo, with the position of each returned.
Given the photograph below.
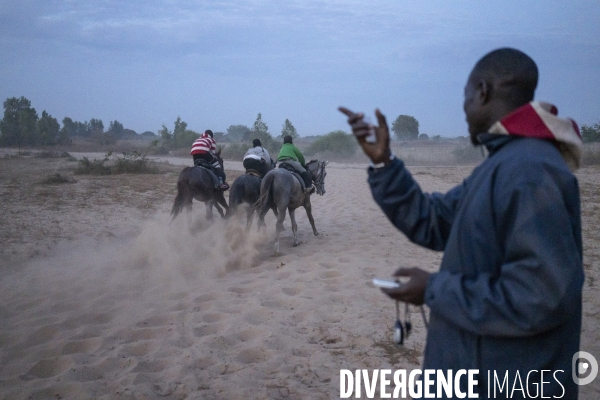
(584, 364)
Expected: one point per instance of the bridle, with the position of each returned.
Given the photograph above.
(319, 177)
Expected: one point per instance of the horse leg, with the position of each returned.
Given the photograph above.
(279, 228)
(219, 209)
(260, 222)
(209, 211)
(292, 213)
(308, 209)
(274, 208)
(249, 215)
(221, 200)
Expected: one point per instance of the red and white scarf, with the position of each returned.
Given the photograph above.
(539, 120)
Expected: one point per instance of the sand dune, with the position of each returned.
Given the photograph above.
(202, 310)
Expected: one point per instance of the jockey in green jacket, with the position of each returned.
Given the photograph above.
(292, 156)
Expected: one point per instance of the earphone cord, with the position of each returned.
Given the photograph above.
(425, 322)
(424, 317)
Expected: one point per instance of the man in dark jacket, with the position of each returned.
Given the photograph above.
(507, 297)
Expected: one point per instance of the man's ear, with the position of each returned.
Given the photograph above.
(484, 91)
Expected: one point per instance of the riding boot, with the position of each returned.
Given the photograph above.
(222, 184)
(308, 182)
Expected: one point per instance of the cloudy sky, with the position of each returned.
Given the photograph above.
(220, 63)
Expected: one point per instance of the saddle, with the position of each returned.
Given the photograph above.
(200, 163)
(287, 166)
(253, 172)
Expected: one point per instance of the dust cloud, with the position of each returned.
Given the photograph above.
(162, 260)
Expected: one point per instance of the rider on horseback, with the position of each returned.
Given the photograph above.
(258, 159)
(292, 156)
(204, 149)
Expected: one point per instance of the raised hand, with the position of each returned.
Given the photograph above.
(379, 150)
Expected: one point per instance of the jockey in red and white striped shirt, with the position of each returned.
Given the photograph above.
(205, 148)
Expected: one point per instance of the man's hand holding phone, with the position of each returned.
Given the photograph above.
(412, 291)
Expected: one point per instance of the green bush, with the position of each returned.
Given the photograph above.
(590, 133)
(95, 167)
(133, 163)
(57, 179)
(129, 163)
(338, 143)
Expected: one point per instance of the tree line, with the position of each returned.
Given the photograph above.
(22, 126)
(590, 133)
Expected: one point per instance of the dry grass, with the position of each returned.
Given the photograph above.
(36, 209)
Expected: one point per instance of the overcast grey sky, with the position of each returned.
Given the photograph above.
(220, 63)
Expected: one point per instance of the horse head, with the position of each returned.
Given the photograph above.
(317, 170)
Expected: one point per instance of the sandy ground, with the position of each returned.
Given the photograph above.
(100, 297)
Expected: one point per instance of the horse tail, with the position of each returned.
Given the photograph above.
(266, 195)
(184, 194)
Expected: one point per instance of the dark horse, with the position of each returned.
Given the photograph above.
(280, 189)
(245, 189)
(196, 183)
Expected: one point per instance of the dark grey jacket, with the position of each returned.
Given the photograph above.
(508, 293)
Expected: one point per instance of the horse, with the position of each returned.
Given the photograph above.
(281, 190)
(196, 183)
(245, 189)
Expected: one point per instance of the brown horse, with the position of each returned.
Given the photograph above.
(280, 189)
(196, 183)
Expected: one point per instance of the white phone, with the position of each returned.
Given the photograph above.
(386, 283)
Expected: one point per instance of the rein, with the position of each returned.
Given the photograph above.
(319, 177)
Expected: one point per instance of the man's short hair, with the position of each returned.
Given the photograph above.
(209, 132)
(514, 74)
(256, 143)
(287, 139)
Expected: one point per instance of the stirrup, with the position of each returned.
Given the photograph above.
(224, 186)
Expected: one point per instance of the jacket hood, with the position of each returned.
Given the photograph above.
(539, 120)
